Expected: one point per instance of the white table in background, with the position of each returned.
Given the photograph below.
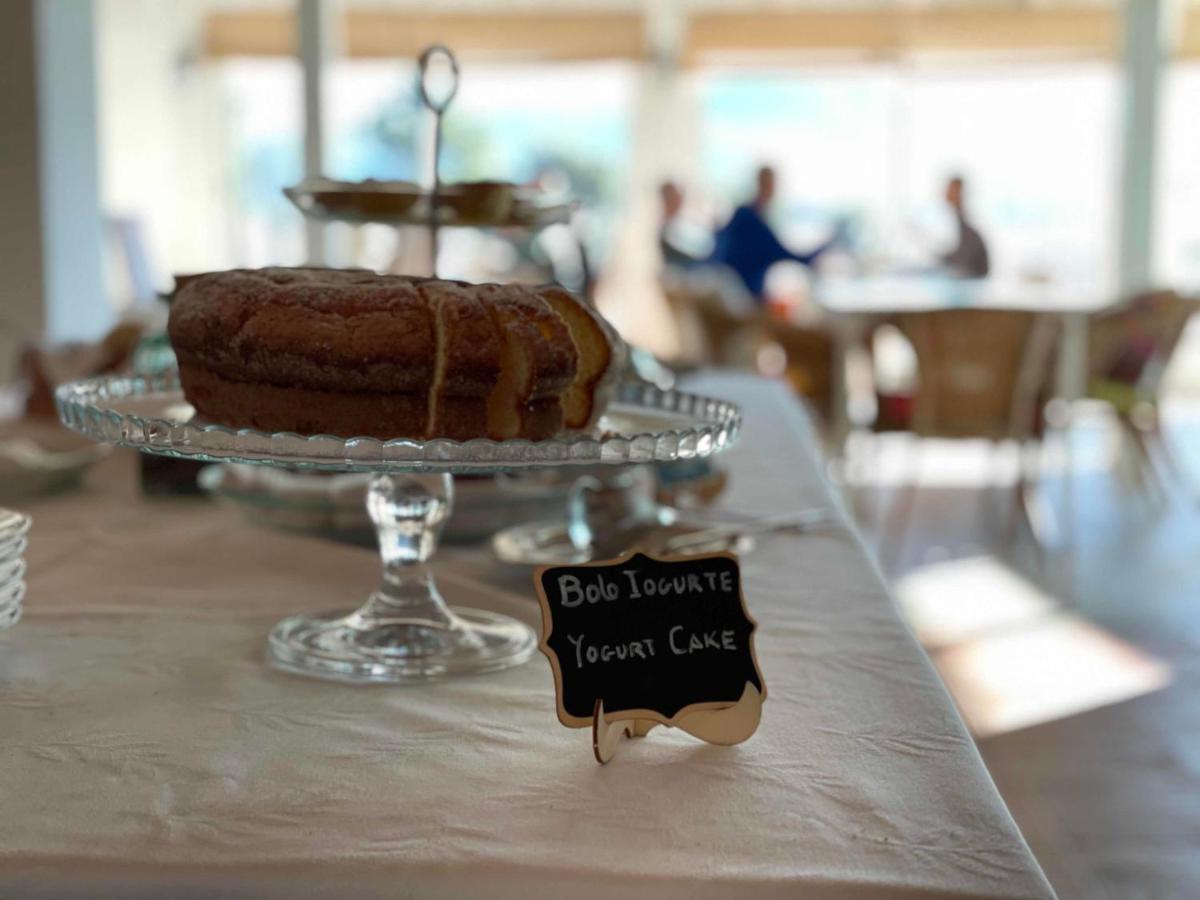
(147, 751)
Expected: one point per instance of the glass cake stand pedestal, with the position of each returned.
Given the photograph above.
(405, 631)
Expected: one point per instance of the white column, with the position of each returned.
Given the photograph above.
(1142, 69)
(664, 144)
(317, 41)
(51, 274)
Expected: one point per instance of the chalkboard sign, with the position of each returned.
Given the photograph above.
(652, 639)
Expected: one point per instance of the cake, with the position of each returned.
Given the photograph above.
(352, 353)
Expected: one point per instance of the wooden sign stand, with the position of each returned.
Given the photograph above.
(669, 677)
(726, 726)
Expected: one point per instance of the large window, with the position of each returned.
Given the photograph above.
(826, 133)
(264, 153)
(1178, 236)
(874, 145)
(564, 126)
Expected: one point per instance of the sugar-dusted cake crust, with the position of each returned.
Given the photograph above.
(324, 329)
(348, 352)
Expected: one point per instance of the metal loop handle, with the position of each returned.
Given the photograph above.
(423, 62)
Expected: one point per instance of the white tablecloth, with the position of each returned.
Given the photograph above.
(147, 751)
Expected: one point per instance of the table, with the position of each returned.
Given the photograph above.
(856, 304)
(147, 751)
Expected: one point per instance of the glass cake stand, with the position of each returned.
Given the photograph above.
(405, 631)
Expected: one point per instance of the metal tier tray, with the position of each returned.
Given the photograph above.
(355, 203)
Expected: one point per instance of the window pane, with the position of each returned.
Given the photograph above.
(874, 144)
(1178, 224)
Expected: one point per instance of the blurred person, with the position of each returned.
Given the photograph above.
(969, 259)
(749, 246)
(686, 268)
(672, 237)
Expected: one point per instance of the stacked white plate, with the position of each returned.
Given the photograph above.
(14, 528)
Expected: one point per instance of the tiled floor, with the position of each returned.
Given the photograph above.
(1108, 797)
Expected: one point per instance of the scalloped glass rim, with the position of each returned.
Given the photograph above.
(138, 412)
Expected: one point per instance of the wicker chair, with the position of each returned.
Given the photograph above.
(810, 357)
(982, 374)
(1129, 349)
(709, 332)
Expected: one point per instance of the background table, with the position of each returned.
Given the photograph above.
(146, 750)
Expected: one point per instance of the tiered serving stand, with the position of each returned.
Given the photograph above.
(401, 204)
(405, 631)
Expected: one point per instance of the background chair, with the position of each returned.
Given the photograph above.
(710, 332)
(809, 357)
(714, 331)
(981, 374)
(1129, 350)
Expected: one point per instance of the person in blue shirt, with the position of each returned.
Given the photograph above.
(748, 245)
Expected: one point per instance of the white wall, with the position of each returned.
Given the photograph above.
(162, 134)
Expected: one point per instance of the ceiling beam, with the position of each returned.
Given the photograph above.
(1188, 45)
(369, 34)
(906, 30)
(1077, 31)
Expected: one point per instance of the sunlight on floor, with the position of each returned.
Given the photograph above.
(1009, 655)
(950, 602)
(891, 459)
